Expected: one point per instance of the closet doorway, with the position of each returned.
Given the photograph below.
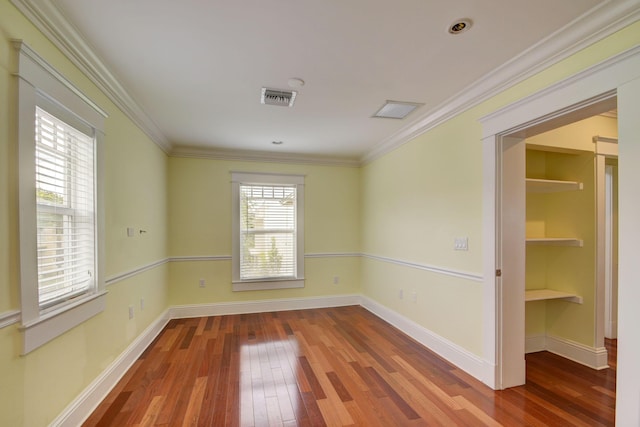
(570, 238)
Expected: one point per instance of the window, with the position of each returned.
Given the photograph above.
(64, 210)
(268, 231)
(59, 150)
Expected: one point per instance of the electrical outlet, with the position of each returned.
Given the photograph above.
(401, 294)
(141, 304)
(130, 231)
(336, 280)
(414, 296)
(202, 283)
(130, 312)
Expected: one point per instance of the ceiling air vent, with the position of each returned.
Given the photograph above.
(396, 110)
(283, 98)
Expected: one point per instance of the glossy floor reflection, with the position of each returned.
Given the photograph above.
(335, 366)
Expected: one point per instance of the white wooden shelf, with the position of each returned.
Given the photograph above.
(554, 241)
(551, 185)
(549, 294)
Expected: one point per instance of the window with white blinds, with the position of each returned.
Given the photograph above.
(61, 146)
(268, 231)
(65, 217)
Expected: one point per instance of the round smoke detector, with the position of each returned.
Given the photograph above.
(460, 26)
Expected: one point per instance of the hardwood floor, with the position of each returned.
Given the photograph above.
(335, 366)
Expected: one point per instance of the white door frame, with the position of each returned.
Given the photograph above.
(579, 96)
(610, 266)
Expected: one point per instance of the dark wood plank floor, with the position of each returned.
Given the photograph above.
(334, 367)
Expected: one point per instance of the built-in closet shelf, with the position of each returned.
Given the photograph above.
(555, 241)
(551, 185)
(548, 294)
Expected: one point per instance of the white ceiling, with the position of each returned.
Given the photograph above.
(192, 70)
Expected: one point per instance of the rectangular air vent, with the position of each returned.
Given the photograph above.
(396, 110)
(283, 98)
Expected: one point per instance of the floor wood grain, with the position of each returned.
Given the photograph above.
(336, 367)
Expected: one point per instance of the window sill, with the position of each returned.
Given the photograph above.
(50, 325)
(260, 285)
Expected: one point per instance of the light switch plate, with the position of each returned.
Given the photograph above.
(461, 244)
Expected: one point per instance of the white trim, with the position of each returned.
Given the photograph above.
(593, 26)
(83, 405)
(609, 266)
(334, 255)
(535, 343)
(251, 178)
(39, 331)
(27, 72)
(598, 83)
(598, 23)
(39, 82)
(211, 258)
(586, 87)
(451, 352)
(48, 19)
(492, 286)
(263, 285)
(263, 306)
(440, 270)
(593, 357)
(228, 257)
(263, 156)
(126, 275)
(8, 318)
(260, 178)
(200, 258)
(87, 401)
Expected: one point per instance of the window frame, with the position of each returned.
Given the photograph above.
(39, 84)
(249, 178)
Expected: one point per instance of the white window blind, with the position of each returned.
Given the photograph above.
(267, 232)
(64, 209)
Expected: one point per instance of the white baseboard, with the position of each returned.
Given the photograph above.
(219, 309)
(593, 357)
(535, 343)
(452, 353)
(83, 405)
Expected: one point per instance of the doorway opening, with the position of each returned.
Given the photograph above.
(521, 292)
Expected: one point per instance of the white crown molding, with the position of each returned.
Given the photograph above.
(262, 156)
(587, 88)
(591, 27)
(48, 19)
(587, 29)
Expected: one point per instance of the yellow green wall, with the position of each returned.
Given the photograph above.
(200, 225)
(564, 214)
(421, 196)
(416, 200)
(407, 205)
(36, 388)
